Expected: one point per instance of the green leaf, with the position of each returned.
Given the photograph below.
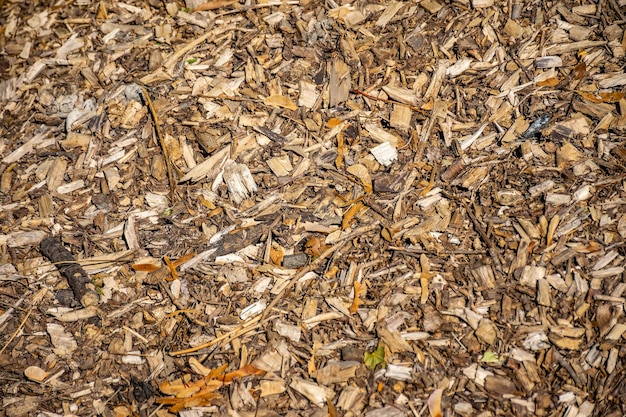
(375, 358)
(192, 60)
(490, 357)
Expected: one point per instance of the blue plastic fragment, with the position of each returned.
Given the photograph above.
(536, 126)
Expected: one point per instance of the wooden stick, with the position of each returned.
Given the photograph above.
(384, 100)
(166, 154)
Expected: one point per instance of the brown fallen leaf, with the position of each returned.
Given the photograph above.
(612, 97)
(315, 246)
(550, 82)
(201, 393)
(434, 403)
(579, 70)
(358, 291)
(349, 215)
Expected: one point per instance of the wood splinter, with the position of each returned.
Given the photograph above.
(77, 278)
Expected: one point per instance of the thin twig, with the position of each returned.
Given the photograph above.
(384, 100)
(227, 337)
(166, 154)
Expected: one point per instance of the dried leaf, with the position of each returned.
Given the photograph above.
(240, 373)
(550, 82)
(333, 122)
(202, 391)
(490, 357)
(277, 100)
(341, 150)
(351, 213)
(377, 357)
(612, 97)
(315, 246)
(434, 403)
(579, 70)
(358, 291)
(145, 267)
(35, 373)
(276, 255)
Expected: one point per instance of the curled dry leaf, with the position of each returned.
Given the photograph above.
(434, 403)
(550, 82)
(607, 97)
(579, 70)
(351, 214)
(276, 254)
(315, 246)
(358, 291)
(201, 393)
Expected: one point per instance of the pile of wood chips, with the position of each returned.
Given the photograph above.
(302, 208)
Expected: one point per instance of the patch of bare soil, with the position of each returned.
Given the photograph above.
(301, 208)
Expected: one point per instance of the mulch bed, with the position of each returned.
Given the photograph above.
(298, 208)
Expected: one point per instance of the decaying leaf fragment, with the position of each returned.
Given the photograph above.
(359, 289)
(352, 212)
(201, 393)
(604, 97)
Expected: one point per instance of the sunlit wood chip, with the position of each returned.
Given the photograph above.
(616, 331)
(477, 374)
(565, 342)
(536, 341)
(308, 94)
(70, 187)
(272, 385)
(477, 4)
(398, 372)
(288, 330)
(312, 391)
(64, 343)
(385, 153)
(239, 181)
(401, 117)
(381, 135)
(252, 310)
(280, 165)
(337, 372)
(487, 331)
(548, 62)
(64, 314)
(35, 373)
(459, 67)
(608, 272)
(401, 94)
(531, 274)
(277, 100)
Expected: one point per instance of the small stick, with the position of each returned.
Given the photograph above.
(384, 100)
(166, 154)
(77, 278)
(233, 334)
